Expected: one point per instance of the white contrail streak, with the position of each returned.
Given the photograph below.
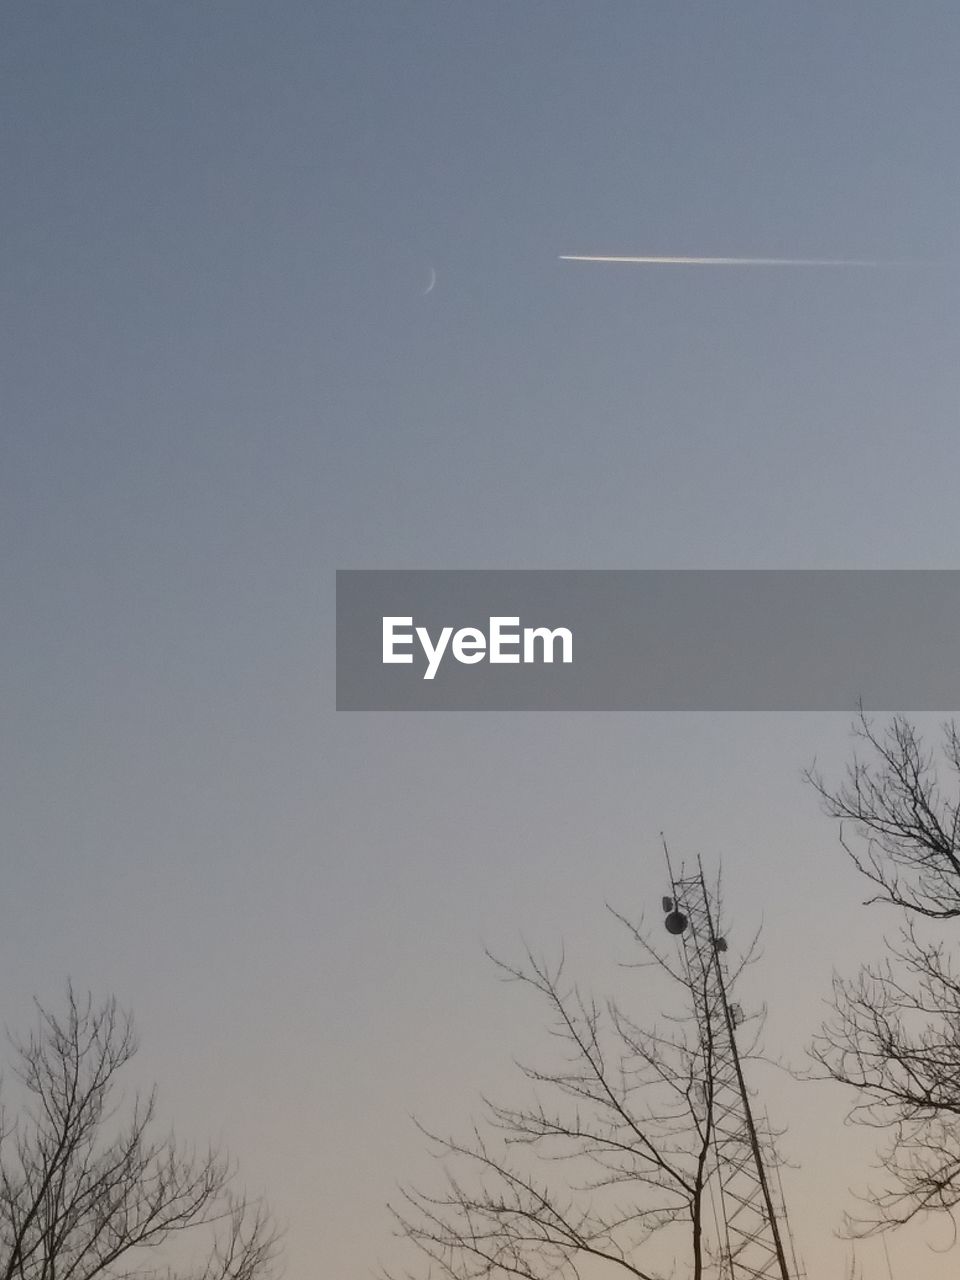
(731, 262)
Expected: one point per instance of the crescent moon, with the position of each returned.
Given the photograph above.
(433, 281)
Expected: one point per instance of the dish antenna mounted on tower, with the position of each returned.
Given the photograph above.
(750, 1214)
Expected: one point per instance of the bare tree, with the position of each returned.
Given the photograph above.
(610, 1154)
(908, 830)
(894, 1034)
(88, 1188)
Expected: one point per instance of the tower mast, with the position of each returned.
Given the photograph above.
(750, 1217)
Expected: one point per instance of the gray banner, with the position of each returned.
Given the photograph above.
(648, 640)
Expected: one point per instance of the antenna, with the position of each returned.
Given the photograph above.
(752, 1221)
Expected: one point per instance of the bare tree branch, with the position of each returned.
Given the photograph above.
(909, 832)
(893, 1037)
(88, 1188)
(613, 1149)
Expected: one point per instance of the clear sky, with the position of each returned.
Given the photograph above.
(222, 379)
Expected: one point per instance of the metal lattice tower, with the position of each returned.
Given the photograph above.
(751, 1219)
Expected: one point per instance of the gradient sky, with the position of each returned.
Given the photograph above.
(221, 381)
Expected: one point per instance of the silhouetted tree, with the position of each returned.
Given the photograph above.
(894, 1034)
(89, 1189)
(611, 1151)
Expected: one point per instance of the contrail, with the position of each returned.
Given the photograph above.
(733, 262)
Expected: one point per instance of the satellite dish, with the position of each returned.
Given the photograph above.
(675, 922)
(721, 944)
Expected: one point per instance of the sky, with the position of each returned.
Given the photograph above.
(223, 378)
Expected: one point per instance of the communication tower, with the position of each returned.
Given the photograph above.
(754, 1241)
